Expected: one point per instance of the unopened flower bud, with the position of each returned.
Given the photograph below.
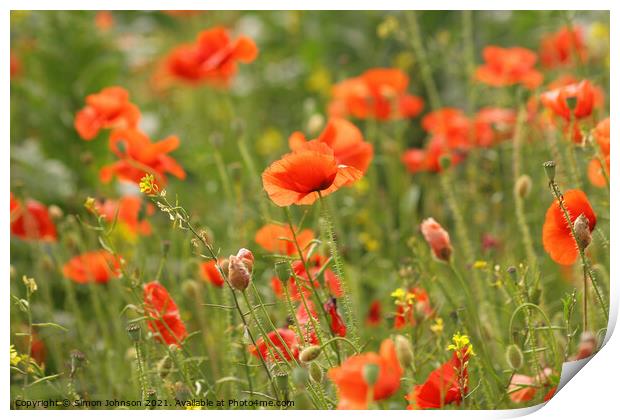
(550, 170)
(587, 345)
(404, 350)
(247, 258)
(282, 381)
(582, 231)
(309, 353)
(523, 186)
(371, 373)
(133, 330)
(514, 357)
(316, 373)
(437, 238)
(238, 273)
(191, 288)
(300, 376)
(283, 271)
(55, 211)
(77, 360)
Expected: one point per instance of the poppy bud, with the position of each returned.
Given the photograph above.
(191, 288)
(512, 272)
(238, 273)
(445, 161)
(300, 376)
(371, 373)
(134, 331)
(523, 186)
(587, 345)
(514, 357)
(437, 238)
(55, 211)
(77, 360)
(282, 381)
(309, 353)
(404, 351)
(550, 170)
(582, 232)
(151, 396)
(247, 258)
(316, 373)
(283, 271)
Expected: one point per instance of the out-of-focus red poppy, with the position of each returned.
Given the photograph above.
(299, 177)
(595, 169)
(563, 47)
(280, 240)
(38, 351)
(557, 238)
(165, 319)
(209, 272)
(211, 59)
(374, 314)
(353, 390)
(442, 385)
(524, 388)
(509, 66)
(428, 159)
(31, 221)
(98, 266)
(345, 139)
(282, 341)
(583, 95)
(337, 325)
(127, 211)
(138, 155)
(16, 65)
(109, 108)
(104, 20)
(492, 125)
(450, 124)
(300, 283)
(437, 238)
(407, 312)
(379, 93)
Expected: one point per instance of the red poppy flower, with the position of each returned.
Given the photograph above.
(428, 159)
(300, 283)
(441, 387)
(509, 66)
(109, 108)
(127, 212)
(284, 340)
(522, 388)
(493, 125)
(595, 170)
(438, 239)
(138, 155)
(378, 93)
(38, 351)
(278, 239)
(562, 47)
(104, 20)
(298, 177)
(557, 100)
(353, 391)
(374, 313)
(406, 313)
(165, 319)
(345, 139)
(98, 266)
(337, 325)
(557, 238)
(209, 272)
(450, 124)
(16, 65)
(32, 221)
(211, 59)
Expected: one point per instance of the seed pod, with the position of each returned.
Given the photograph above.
(283, 271)
(316, 373)
(191, 288)
(404, 350)
(371, 373)
(133, 330)
(282, 381)
(550, 170)
(514, 357)
(309, 353)
(582, 231)
(523, 186)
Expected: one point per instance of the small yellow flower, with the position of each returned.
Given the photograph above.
(480, 265)
(15, 357)
(270, 141)
(193, 406)
(30, 284)
(398, 294)
(410, 298)
(460, 342)
(89, 205)
(437, 327)
(147, 184)
(387, 27)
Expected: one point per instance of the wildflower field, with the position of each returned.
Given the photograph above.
(306, 210)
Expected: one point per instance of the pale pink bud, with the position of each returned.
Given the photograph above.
(437, 238)
(247, 258)
(238, 273)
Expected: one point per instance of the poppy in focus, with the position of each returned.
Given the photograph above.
(509, 66)
(557, 238)
(165, 319)
(379, 93)
(345, 139)
(299, 177)
(31, 221)
(109, 108)
(138, 155)
(349, 378)
(98, 266)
